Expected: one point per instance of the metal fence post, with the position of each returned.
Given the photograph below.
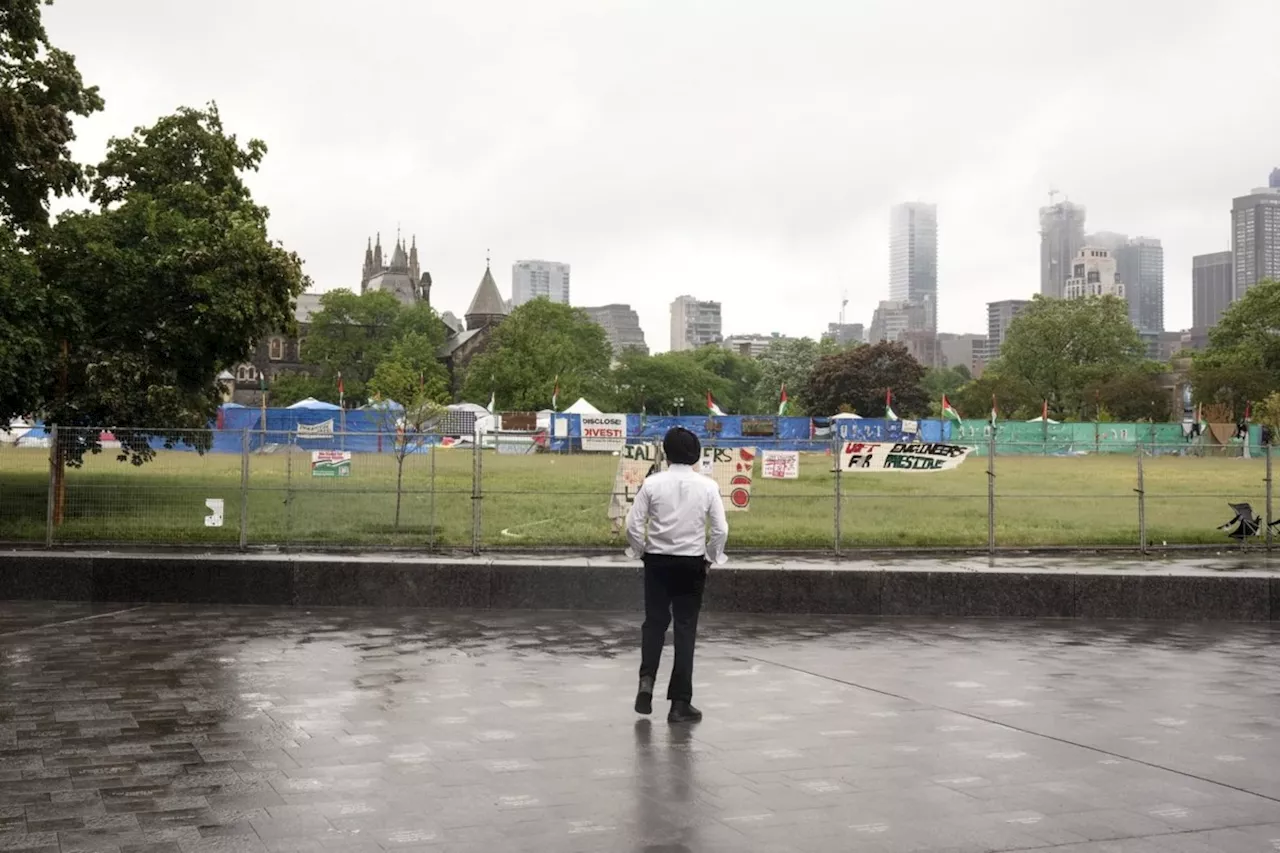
(53, 485)
(991, 495)
(839, 492)
(1142, 505)
(244, 490)
(288, 489)
(477, 495)
(431, 520)
(1268, 450)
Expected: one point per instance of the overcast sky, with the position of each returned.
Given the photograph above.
(741, 151)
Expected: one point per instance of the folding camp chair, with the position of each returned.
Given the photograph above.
(1246, 523)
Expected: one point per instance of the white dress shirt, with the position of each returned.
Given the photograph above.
(673, 507)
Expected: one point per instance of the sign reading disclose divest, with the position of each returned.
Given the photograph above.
(900, 456)
(605, 433)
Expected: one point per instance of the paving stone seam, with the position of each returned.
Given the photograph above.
(1005, 725)
(34, 628)
(1151, 837)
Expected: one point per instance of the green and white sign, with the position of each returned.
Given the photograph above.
(331, 463)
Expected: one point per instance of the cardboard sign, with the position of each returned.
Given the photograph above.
(780, 464)
(731, 468)
(604, 433)
(635, 461)
(858, 456)
(331, 463)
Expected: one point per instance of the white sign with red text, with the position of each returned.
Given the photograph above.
(604, 433)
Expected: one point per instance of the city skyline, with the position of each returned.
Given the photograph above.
(653, 174)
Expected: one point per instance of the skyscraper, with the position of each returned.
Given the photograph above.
(1255, 238)
(1211, 287)
(1093, 273)
(1140, 263)
(913, 252)
(1061, 237)
(694, 324)
(999, 316)
(531, 280)
(621, 326)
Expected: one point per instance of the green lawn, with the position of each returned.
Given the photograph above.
(549, 500)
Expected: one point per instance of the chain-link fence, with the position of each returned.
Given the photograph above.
(513, 491)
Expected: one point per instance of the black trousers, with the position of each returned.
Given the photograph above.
(672, 587)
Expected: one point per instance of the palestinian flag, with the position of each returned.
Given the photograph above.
(889, 413)
(1204, 425)
(782, 401)
(342, 391)
(713, 407)
(555, 395)
(1248, 412)
(948, 411)
(1044, 411)
(493, 401)
(993, 409)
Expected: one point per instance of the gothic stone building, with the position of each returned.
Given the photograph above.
(281, 354)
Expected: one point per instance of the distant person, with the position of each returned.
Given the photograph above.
(673, 507)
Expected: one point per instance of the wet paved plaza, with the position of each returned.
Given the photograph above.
(237, 730)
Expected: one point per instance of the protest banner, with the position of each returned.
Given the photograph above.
(780, 464)
(315, 432)
(604, 433)
(331, 463)
(900, 456)
(635, 461)
(731, 468)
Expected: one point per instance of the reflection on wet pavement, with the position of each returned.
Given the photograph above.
(165, 729)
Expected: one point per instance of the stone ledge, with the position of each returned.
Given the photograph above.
(896, 589)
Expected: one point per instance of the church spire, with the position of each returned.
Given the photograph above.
(377, 254)
(368, 271)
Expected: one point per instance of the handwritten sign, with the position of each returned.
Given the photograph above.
(315, 432)
(604, 433)
(780, 464)
(732, 469)
(635, 461)
(857, 456)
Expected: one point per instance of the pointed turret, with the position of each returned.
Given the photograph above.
(487, 307)
(399, 260)
(368, 271)
(377, 255)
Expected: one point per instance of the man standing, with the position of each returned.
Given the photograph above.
(673, 507)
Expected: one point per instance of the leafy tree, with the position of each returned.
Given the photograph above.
(944, 380)
(351, 334)
(288, 388)
(1060, 348)
(654, 383)
(1014, 397)
(40, 92)
(171, 279)
(1135, 394)
(858, 379)
(1242, 362)
(412, 370)
(25, 349)
(741, 375)
(789, 361)
(539, 341)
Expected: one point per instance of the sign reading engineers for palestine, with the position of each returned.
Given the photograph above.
(900, 456)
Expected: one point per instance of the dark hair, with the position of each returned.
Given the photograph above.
(682, 447)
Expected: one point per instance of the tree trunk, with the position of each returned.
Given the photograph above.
(59, 481)
(399, 478)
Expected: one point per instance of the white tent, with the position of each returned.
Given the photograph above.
(582, 407)
(473, 408)
(313, 403)
(846, 416)
(1040, 420)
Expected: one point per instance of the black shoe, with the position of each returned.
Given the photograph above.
(644, 697)
(683, 712)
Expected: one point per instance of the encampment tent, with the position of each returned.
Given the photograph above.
(582, 407)
(313, 403)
